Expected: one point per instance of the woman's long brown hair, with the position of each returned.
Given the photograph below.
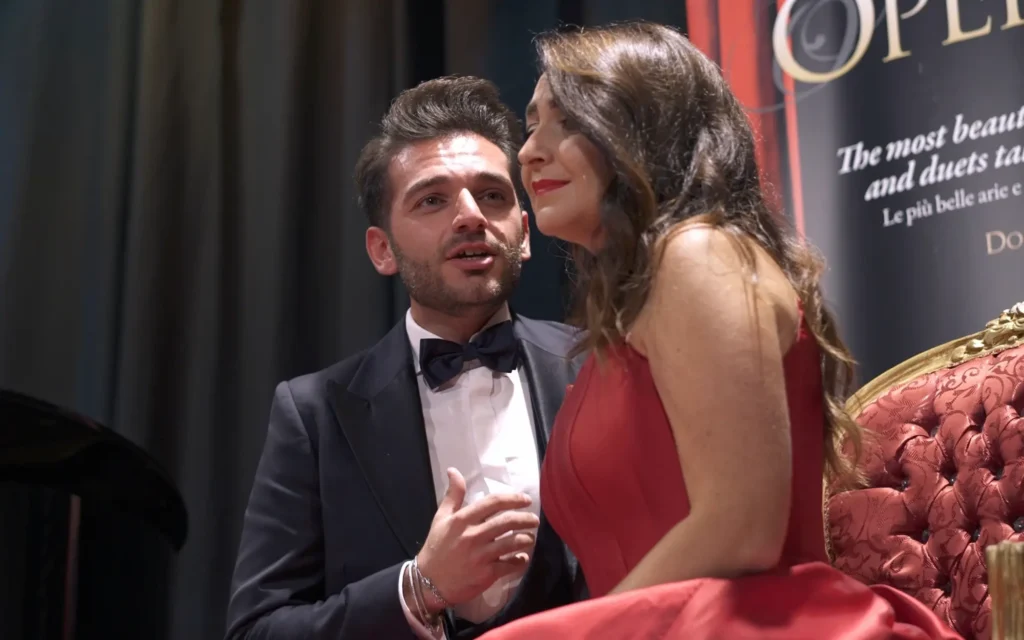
(682, 150)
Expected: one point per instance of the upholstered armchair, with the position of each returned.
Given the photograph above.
(944, 463)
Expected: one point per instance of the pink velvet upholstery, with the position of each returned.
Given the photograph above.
(945, 479)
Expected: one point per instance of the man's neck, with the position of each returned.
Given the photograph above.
(455, 327)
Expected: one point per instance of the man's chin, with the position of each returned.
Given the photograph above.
(489, 292)
(491, 297)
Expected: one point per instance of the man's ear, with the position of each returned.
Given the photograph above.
(378, 247)
(526, 236)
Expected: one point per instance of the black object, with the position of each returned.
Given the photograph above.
(64, 478)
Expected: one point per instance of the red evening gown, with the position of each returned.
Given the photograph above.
(612, 486)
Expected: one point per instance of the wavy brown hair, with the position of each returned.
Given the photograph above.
(682, 151)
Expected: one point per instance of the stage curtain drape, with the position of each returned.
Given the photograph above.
(177, 234)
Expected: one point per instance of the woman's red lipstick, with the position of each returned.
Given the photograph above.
(540, 187)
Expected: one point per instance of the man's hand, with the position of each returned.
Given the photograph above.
(463, 555)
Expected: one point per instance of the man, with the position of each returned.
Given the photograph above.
(397, 495)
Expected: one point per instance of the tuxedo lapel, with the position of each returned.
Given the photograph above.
(548, 373)
(382, 419)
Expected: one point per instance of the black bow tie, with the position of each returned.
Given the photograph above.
(496, 348)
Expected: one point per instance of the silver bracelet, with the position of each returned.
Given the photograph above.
(432, 622)
(430, 584)
(417, 599)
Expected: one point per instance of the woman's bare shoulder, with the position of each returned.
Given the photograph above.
(712, 267)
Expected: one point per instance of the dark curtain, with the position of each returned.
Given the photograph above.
(178, 233)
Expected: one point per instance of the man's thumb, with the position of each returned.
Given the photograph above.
(456, 493)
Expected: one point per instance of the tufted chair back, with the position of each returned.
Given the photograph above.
(944, 464)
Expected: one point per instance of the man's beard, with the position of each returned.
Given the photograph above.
(427, 287)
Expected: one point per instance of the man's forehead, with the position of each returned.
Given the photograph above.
(461, 154)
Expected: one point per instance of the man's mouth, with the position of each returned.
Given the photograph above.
(472, 256)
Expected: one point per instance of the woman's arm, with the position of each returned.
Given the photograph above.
(713, 342)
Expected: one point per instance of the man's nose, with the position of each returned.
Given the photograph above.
(468, 216)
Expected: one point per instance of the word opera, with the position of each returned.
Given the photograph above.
(956, 32)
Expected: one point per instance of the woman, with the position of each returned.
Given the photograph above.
(685, 471)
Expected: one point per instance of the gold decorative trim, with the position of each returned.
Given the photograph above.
(1000, 334)
(1005, 563)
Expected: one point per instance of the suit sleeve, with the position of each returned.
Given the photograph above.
(278, 585)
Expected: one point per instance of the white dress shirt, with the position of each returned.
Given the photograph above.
(481, 424)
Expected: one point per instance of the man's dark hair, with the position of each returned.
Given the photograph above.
(434, 109)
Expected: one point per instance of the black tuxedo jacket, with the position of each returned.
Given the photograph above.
(343, 496)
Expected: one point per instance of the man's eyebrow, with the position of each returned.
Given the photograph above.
(493, 176)
(440, 179)
(425, 183)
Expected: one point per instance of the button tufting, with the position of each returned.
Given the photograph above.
(961, 419)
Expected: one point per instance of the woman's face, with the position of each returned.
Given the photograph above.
(565, 174)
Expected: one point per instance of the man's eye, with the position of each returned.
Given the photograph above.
(494, 195)
(431, 201)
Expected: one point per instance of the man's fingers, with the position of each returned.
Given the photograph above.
(509, 545)
(503, 523)
(496, 503)
(455, 494)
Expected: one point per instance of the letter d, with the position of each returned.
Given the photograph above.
(988, 240)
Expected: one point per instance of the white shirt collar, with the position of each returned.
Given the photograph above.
(417, 333)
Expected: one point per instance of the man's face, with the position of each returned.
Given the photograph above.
(457, 234)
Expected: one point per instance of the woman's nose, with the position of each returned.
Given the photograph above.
(532, 152)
